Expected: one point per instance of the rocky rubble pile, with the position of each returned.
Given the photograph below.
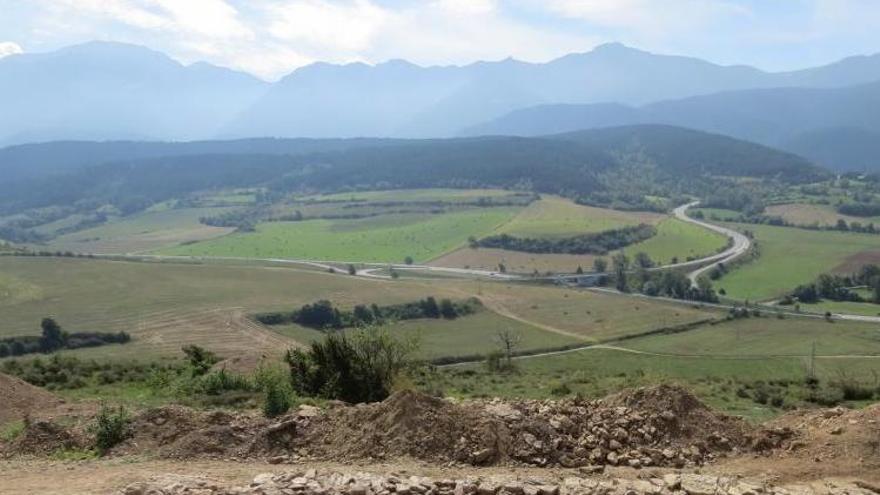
(663, 426)
(312, 482)
(660, 426)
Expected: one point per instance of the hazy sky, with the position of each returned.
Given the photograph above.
(272, 37)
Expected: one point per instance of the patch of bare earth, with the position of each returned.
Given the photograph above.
(19, 399)
(853, 263)
(820, 443)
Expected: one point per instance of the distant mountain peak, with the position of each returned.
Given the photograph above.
(111, 48)
(613, 46)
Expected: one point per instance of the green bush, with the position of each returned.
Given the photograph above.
(221, 381)
(497, 362)
(360, 366)
(277, 401)
(111, 427)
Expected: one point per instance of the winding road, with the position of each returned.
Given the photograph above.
(740, 244)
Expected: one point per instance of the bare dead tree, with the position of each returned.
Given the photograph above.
(508, 340)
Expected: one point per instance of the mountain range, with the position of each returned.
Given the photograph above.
(100, 91)
(836, 127)
(112, 91)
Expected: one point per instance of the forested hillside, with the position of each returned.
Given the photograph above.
(834, 127)
(619, 165)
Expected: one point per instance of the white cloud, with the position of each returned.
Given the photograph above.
(9, 48)
(129, 12)
(213, 18)
(648, 17)
(348, 26)
(468, 7)
(637, 13)
(441, 33)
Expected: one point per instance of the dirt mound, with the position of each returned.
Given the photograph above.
(663, 426)
(647, 427)
(832, 436)
(20, 399)
(406, 424)
(180, 432)
(45, 437)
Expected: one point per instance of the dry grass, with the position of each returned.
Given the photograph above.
(808, 214)
(488, 259)
(584, 314)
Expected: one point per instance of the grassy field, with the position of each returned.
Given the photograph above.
(715, 213)
(678, 239)
(517, 262)
(165, 306)
(674, 239)
(448, 195)
(843, 307)
(589, 315)
(553, 216)
(466, 336)
(722, 363)
(141, 232)
(388, 238)
(790, 257)
(812, 214)
(597, 372)
(768, 336)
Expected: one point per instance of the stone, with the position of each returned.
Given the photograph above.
(483, 455)
(262, 479)
(513, 489)
(699, 484)
(504, 411)
(487, 489)
(357, 489)
(548, 490)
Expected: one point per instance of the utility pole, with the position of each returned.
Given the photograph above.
(813, 361)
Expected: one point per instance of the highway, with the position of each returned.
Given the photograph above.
(740, 244)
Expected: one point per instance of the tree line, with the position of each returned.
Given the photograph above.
(596, 243)
(636, 275)
(323, 315)
(838, 287)
(859, 209)
(54, 338)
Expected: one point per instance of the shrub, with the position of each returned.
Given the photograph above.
(497, 362)
(277, 401)
(110, 428)
(222, 381)
(358, 367)
(200, 359)
(826, 396)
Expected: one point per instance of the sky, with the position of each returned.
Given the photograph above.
(270, 38)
